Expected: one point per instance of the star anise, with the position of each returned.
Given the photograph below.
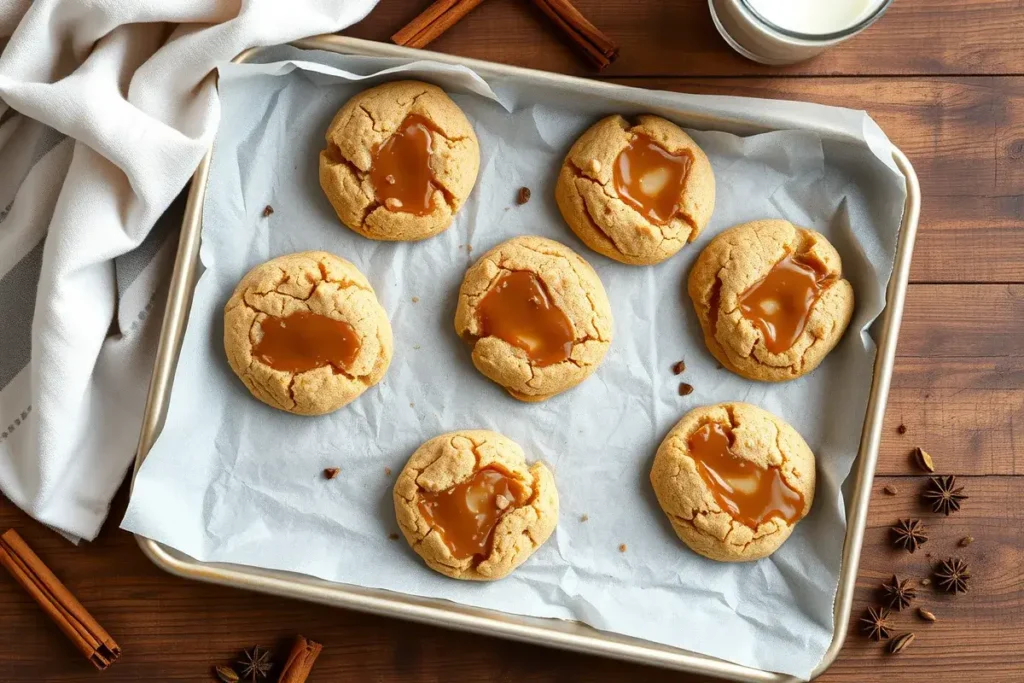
(256, 664)
(898, 594)
(875, 625)
(953, 575)
(909, 534)
(944, 495)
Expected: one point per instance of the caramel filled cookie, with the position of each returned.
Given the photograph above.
(536, 316)
(401, 159)
(733, 480)
(636, 193)
(771, 299)
(469, 505)
(305, 333)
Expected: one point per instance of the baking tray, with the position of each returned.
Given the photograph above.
(550, 632)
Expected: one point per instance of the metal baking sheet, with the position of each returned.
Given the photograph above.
(570, 635)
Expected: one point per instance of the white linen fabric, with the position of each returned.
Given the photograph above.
(106, 108)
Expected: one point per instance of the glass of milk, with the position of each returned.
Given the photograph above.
(787, 31)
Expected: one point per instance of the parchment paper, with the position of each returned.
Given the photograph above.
(232, 480)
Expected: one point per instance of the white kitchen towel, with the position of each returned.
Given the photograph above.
(106, 108)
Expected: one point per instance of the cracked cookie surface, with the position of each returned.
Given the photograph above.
(309, 282)
(572, 287)
(369, 120)
(740, 258)
(450, 459)
(587, 196)
(698, 519)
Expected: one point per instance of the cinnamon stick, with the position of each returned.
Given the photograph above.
(599, 49)
(58, 603)
(300, 660)
(434, 21)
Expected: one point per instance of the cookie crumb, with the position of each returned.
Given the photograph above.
(387, 471)
(595, 166)
(416, 346)
(523, 196)
(389, 179)
(622, 547)
(331, 472)
(685, 389)
(412, 404)
(584, 518)
(469, 248)
(392, 536)
(501, 502)
(678, 367)
(268, 210)
(891, 490)
(393, 203)
(902, 429)
(415, 299)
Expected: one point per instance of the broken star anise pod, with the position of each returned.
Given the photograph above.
(944, 495)
(898, 594)
(953, 575)
(909, 534)
(876, 625)
(255, 664)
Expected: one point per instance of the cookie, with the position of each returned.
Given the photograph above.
(305, 333)
(734, 480)
(771, 299)
(401, 159)
(636, 193)
(536, 316)
(469, 505)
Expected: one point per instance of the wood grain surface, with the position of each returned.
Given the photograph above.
(945, 80)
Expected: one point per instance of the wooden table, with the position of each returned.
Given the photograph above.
(944, 79)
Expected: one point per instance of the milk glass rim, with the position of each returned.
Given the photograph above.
(818, 37)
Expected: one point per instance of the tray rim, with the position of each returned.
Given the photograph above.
(568, 635)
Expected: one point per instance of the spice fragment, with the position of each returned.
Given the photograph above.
(901, 643)
(923, 460)
(331, 472)
(925, 614)
(225, 674)
(891, 490)
(523, 196)
(685, 389)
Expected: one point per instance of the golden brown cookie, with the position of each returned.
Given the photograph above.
(306, 334)
(771, 299)
(536, 315)
(469, 505)
(733, 480)
(401, 159)
(636, 193)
